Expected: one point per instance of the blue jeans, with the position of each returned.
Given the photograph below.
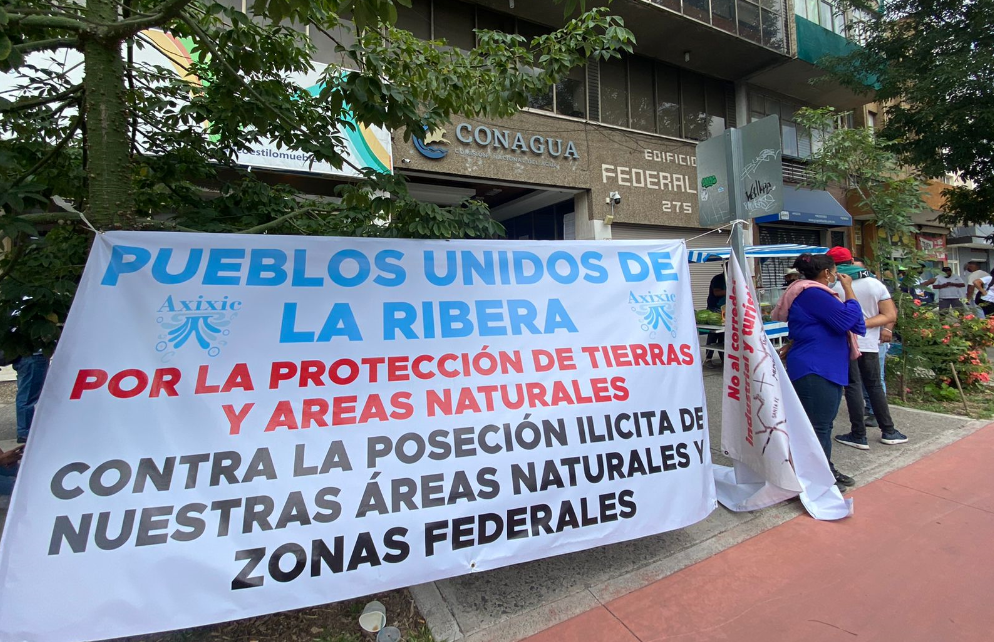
(821, 399)
(883, 379)
(31, 373)
(7, 474)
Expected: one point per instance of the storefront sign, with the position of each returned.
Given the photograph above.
(236, 425)
(933, 246)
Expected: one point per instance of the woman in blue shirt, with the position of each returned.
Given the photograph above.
(818, 361)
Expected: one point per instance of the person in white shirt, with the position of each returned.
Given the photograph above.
(879, 311)
(951, 288)
(986, 294)
(974, 274)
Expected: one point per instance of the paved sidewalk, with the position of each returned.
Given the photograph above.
(914, 563)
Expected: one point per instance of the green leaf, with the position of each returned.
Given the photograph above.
(5, 46)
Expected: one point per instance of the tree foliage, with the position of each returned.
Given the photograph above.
(932, 63)
(133, 146)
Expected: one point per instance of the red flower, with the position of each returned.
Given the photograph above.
(918, 301)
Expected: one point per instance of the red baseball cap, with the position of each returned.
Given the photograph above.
(840, 255)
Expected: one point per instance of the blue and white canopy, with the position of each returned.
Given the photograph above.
(703, 255)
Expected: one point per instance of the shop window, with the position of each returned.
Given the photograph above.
(667, 101)
(642, 99)
(416, 19)
(454, 23)
(614, 92)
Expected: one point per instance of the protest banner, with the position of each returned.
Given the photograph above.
(764, 428)
(237, 425)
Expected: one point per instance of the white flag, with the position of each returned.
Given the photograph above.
(764, 428)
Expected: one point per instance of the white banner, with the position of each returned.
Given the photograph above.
(764, 428)
(236, 425)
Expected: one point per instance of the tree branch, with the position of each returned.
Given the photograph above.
(46, 22)
(166, 11)
(206, 41)
(282, 219)
(51, 154)
(46, 45)
(28, 103)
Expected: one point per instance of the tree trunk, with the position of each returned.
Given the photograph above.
(108, 165)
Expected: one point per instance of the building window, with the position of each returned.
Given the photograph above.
(416, 19)
(824, 13)
(614, 92)
(454, 22)
(871, 121)
(798, 142)
(667, 101)
(641, 94)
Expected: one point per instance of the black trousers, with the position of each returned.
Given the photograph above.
(865, 371)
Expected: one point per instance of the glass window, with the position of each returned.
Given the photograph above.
(571, 94)
(715, 94)
(772, 107)
(493, 21)
(697, 9)
(723, 14)
(454, 23)
(803, 142)
(530, 31)
(789, 132)
(640, 85)
(614, 92)
(812, 9)
(825, 14)
(695, 116)
(672, 4)
(772, 29)
(749, 21)
(801, 8)
(839, 18)
(667, 101)
(417, 19)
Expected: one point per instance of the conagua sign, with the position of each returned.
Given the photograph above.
(496, 138)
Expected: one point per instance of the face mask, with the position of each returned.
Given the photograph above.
(832, 280)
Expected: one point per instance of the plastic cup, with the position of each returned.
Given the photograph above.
(388, 634)
(374, 617)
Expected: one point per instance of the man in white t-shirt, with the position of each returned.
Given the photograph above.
(951, 288)
(879, 311)
(973, 274)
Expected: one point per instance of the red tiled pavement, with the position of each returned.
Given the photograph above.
(915, 563)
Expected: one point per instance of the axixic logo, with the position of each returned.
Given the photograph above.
(655, 310)
(425, 146)
(202, 322)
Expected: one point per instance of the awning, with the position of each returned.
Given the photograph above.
(812, 206)
(703, 255)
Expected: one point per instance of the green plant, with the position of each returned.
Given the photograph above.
(421, 634)
(941, 391)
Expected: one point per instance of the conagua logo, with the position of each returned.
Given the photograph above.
(201, 322)
(655, 310)
(426, 146)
